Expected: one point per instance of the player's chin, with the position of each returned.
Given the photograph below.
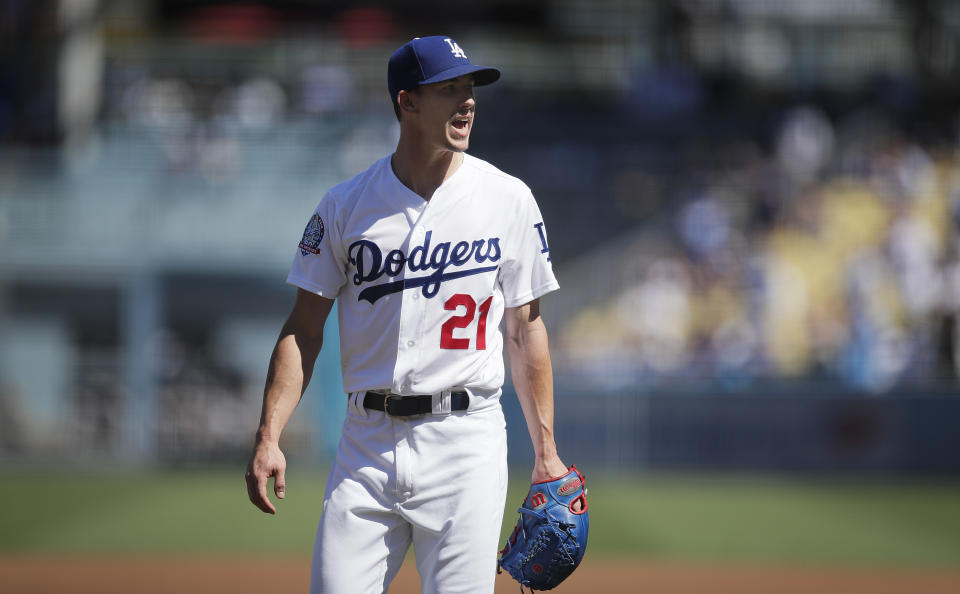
(458, 145)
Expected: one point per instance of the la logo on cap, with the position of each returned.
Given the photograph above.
(455, 49)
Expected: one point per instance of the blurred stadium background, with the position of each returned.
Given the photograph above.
(753, 209)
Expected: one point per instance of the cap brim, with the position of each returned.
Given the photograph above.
(482, 75)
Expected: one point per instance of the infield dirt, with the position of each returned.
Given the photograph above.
(101, 575)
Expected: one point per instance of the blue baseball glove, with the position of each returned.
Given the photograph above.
(550, 537)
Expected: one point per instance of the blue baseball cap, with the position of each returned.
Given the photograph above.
(425, 60)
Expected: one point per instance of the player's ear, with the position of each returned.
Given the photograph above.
(407, 101)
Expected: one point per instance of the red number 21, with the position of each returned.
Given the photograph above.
(447, 340)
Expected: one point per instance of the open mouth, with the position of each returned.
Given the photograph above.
(461, 124)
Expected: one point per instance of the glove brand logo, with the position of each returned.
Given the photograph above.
(537, 500)
(371, 264)
(537, 568)
(568, 487)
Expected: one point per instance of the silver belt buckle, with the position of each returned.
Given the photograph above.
(387, 400)
(441, 403)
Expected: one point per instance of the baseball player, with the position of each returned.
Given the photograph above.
(427, 252)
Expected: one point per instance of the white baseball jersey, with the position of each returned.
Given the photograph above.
(422, 285)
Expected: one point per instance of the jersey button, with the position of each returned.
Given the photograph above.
(410, 343)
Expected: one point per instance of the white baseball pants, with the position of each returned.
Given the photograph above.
(437, 482)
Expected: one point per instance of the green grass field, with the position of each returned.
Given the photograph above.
(685, 518)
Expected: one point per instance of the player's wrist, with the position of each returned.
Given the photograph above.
(545, 448)
(265, 437)
(548, 467)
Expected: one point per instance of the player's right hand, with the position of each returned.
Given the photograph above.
(266, 461)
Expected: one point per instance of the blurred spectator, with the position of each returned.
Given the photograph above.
(704, 226)
(325, 89)
(805, 143)
(165, 104)
(257, 104)
(657, 313)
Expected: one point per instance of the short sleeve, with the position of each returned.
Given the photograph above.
(528, 273)
(319, 264)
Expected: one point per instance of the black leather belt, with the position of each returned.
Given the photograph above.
(406, 406)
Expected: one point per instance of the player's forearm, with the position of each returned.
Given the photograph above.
(291, 366)
(532, 374)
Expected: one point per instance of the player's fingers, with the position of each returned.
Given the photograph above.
(280, 484)
(251, 484)
(263, 502)
(257, 491)
(579, 504)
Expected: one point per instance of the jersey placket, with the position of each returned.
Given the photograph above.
(412, 311)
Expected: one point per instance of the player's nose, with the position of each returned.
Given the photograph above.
(466, 105)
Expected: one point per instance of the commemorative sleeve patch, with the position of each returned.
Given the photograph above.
(312, 235)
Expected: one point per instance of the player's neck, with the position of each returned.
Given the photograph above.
(424, 171)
